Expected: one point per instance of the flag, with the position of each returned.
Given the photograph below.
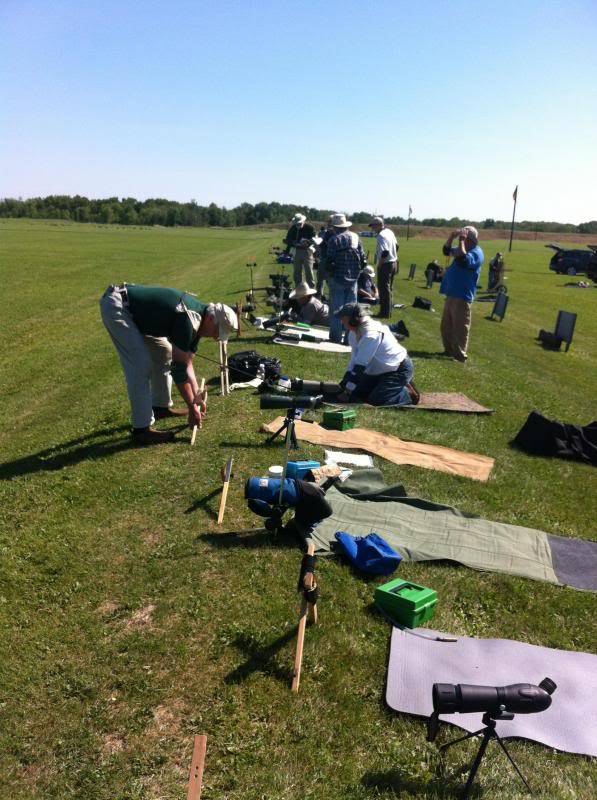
(515, 194)
(410, 211)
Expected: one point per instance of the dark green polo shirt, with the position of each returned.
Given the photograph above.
(176, 315)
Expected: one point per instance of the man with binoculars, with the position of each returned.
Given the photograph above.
(380, 371)
(459, 284)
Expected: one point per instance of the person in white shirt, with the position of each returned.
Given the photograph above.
(386, 258)
(380, 371)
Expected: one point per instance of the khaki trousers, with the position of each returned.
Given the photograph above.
(145, 360)
(455, 327)
(303, 259)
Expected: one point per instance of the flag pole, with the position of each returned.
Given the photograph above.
(515, 197)
(410, 211)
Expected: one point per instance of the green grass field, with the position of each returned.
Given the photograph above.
(129, 622)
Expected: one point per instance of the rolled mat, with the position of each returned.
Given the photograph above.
(420, 530)
(569, 724)
(417, 454)
(324, 347)
(436, 401)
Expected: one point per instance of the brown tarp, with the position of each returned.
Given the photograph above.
(428, 456)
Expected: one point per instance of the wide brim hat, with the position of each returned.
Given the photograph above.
(302, 290)
(340, 221)
(298, 218)
(369, 270)
(226, 320)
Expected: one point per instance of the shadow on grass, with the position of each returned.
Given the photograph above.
(394, 780)
(260, 658)
(67, 454)
(250, 538)
(203, 503)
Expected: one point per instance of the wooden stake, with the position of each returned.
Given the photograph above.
(197, 764)
(226, 373)
(201, 394)
(305, 609)
(227, 475)
(222, 388)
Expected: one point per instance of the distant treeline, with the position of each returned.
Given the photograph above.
(157, 211)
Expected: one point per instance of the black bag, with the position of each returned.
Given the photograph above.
(549, 340)
(422, 302)
(246, 365)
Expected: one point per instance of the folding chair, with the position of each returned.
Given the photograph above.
(411, 272)
(500, 306)
(565, 325)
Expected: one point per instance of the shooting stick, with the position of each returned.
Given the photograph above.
(310, 593)
(226, 476)
(224, 376)
(197, 764)
(201, 395)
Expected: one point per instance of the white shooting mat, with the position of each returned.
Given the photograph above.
(569, 724)
(325, 347)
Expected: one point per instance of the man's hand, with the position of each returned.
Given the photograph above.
(195, 417)
(201, 401)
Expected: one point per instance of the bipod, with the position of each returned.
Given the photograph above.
(309, 589)
(489, 732)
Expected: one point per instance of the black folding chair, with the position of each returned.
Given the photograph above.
(500, 306)
(565, 325)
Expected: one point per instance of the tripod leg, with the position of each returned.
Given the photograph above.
(514, 764)
(275, 435)
(476, 763)
(461, 739)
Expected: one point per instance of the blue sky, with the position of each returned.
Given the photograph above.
(443, 105)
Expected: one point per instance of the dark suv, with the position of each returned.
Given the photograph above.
(571, 262)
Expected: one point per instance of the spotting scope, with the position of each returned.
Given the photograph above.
(291, 402)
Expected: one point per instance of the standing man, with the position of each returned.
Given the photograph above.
(300, 236)
(345, 259)
(325, 234)
(459, 284)
(386, 258)
(156, 332)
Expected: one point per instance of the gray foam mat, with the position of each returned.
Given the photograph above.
(569, 724)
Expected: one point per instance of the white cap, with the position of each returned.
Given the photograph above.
(226, 320)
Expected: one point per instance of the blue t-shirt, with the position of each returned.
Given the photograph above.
(461, 277)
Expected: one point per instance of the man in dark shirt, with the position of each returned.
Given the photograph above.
(307, 307)
(300, 236)
(366, 289)
(156, 332)
(345, 259)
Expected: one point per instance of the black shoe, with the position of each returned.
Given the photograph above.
(414, 393)
(162, 412)
(145, 436)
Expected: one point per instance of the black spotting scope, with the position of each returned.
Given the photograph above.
(292, 402)
(500, 702)
(319, 387)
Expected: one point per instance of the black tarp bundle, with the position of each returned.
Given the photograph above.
(540, 436)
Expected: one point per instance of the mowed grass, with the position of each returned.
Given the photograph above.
(129, 621)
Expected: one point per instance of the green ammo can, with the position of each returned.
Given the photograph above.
(407, 603)
(342, 419)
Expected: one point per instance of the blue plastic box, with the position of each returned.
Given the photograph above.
(298, 469)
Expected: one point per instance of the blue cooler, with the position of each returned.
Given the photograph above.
(298, 469)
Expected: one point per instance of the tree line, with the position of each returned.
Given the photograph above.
(169, 213)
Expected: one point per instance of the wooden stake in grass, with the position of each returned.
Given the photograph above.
(224, 375)
(309, 593)
(197, 764)
(227, 474)
(201, 395)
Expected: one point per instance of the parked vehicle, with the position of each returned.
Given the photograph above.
(574, 261)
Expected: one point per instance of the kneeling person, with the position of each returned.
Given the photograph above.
(307, 307)
(380, 371)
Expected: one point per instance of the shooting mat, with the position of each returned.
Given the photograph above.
(324, 347)
(437, 401)
(569, 724)
(424, 531)
(417, 454)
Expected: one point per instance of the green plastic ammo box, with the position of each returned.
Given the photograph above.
(407, 603)
(341, 419)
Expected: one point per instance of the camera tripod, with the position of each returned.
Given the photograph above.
(290, 435)
(489, 732)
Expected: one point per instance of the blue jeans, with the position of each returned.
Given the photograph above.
(388, 389)
(340, 294)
